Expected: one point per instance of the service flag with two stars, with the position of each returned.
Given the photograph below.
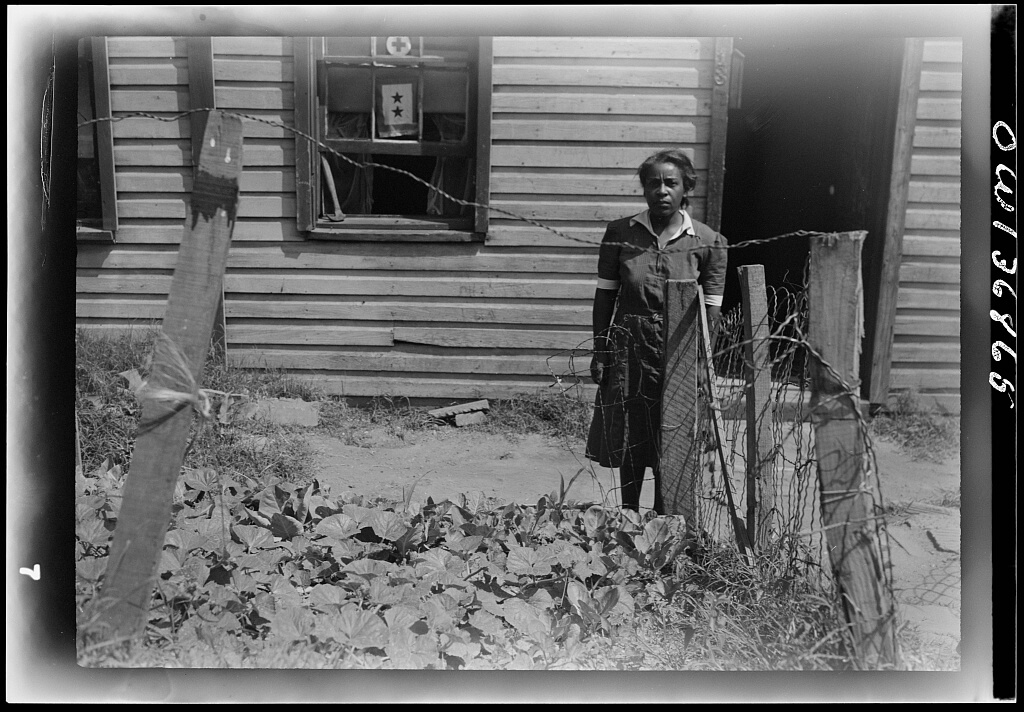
(397, 115)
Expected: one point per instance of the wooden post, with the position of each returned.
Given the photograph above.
(123, 603)
(719, 131)
(836, 328)
(680, 451)
(760, 448)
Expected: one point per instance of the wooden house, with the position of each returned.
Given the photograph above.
(376, 284)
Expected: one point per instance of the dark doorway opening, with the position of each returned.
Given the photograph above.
(809, 147)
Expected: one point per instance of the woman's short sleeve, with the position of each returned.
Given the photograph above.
(608, 261)
(712, 273)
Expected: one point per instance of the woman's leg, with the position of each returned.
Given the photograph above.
(631, 481)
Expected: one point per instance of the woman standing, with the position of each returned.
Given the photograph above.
(636, 256)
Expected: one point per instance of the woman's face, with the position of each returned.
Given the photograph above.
(663, 189)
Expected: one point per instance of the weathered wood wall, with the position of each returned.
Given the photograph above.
(926, 335)
(572, 119)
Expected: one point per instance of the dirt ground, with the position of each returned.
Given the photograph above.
(925, 534)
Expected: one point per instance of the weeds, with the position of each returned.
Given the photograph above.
(923, 435)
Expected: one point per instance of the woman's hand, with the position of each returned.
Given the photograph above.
(600, 363)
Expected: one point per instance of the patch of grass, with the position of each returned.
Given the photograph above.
(109, 411)
(921, 434)
(562, 416)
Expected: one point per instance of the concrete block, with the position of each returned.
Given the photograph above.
(464, 419)
(283, 411)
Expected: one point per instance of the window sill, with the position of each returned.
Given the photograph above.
(371, 235)
(90, 234)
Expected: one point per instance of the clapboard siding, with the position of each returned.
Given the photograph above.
(926, 333)
(571, 121)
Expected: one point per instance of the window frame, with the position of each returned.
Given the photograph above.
(104, 147)
(384, 227)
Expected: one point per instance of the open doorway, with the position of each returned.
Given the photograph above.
(809, 147)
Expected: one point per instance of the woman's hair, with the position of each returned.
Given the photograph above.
(677, 157)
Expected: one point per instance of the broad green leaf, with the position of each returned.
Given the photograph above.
(300, 503)
(439, 616)
(91, 568)
(93, 532)
(202, 478)
(576, 592)
(606, 599)
(487, 623)
(243, 582)
(284, 526)
(273, 500)
(253, 537)
(284, 592)
(356, 627)
(257, 517)
(384, 593)
(594, 519)
(656, 532)
(525, 561)
(186, 540)
(327, 597)
(170, 560)
(337, 526)
(347, 549)
(291, 624)
(401, 617)
(361, 515)
(389, 526)
(196, 569)
(438, 566)
(525, 618)
(134, 379)
(368, 568)
(464, 545)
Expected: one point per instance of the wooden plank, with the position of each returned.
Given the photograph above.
(169, 73)
(251, 206)
(582, 238)
(493, 338)
(120, 308)
(909, 325)
(911, 298)
(926, 246)
(270, 46)
(604, 47)
(245, 230)
(253, 70)
(148, 492)
(156, 100)
(924, 272)
(923, 191)
(585, 157)
(467, 287)
(569, 183)
(148, 46)
(565, 210)
(943, 50)
(928, 352)
(242, 333)
(104, 134)
(760, 462)
(680, 446)
(895, 221)
(442, 388)
(941, 81)
(180, 155)
(136, 127)
(933, 402)
(596, 76)
(694, 131)
(180, 181)
(200, 90)
(944, 109)
(416, 311)
(690, 104)
(480, 106)
(935, 165)
(444, 259)
(932, 219)
(719, 131)
(389, 363)
(937, 137)
(835, 330)
(931, 378)
(255, 97)
(307, 177)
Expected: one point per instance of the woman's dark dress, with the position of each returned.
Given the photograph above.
(627, 416)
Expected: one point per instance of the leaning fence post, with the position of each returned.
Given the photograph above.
(179, 355)
(836, 326)
(757, 374)
(680, 451)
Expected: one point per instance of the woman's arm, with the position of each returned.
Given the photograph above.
(604, 307)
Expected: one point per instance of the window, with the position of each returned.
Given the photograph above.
(416, 104)
(96, 205)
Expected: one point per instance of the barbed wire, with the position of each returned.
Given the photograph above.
(459, 201)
